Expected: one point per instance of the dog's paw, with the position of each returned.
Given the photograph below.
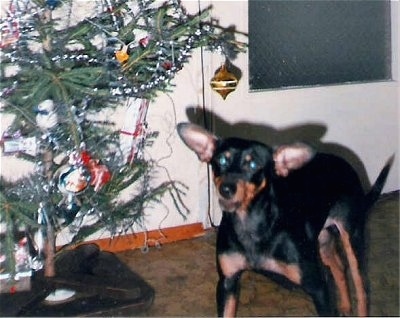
(291, 157)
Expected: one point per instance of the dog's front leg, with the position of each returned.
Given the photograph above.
(230, 267)
(228, 295)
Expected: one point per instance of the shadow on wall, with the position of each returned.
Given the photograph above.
(309, 133)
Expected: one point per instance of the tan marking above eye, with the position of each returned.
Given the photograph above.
(248, 158)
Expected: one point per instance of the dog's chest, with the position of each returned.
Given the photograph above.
(251, 234)
(259, 241)
(252, 247)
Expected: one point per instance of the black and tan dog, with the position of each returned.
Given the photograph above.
(290, 213)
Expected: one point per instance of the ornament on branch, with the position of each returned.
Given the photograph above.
(15, 268)
(133, 132)
(15, 143)
(39, 238)
(52, 4)
(9, 28)
(224, 82)
(116, 17)
(46, 117)
(122, 55)
(81, 171)
(167, 65)
(68, 208)
(99, 173)
(144, 42)
(73, 179)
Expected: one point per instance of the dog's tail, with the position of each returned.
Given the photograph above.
(377, 187)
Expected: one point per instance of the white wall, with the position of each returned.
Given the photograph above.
(364, 118)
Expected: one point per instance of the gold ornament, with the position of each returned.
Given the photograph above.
(224, 82)
(122, 55)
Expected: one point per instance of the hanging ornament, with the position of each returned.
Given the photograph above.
(73, 179)
(8, 91)
(15, 143)
(46, 117)
(68, 208)
(167, 65)
(143, 42)
(133, 132)
(116, 16)
(99, 173)
(85, 157)
(22, 258)
(122, 55)
(224, 82)
(52, 4)
(9, 28)
(39, 238)
(15, 267)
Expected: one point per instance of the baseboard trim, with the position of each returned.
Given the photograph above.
(154, 238)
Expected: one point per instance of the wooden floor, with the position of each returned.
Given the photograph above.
(184, 277)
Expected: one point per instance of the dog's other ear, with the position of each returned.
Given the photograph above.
(201, 141)
(291, 157)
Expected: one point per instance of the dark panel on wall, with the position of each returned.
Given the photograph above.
(319, 42)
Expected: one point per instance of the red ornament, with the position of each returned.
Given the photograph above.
(144, 41)
(99, 173)
(13, 289)
(167, 65)
(10, 29)
(85, 157)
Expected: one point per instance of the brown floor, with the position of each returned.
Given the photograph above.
(184, 277)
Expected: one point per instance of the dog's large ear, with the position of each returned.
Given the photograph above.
(291, 157)
(201, 141)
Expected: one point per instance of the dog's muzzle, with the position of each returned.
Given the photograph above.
(228, 196)
(227, 190)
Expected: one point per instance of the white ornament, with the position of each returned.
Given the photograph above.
(26, 145)
(133, 131)
(46, 117)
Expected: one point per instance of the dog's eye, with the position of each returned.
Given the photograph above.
(253, 165)
(223, 161)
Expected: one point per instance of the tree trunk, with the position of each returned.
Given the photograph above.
(50, 241)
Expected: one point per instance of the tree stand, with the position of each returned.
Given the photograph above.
(97, 284)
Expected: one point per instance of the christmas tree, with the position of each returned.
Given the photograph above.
(59, 70)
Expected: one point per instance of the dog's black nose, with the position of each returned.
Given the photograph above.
(227, 190)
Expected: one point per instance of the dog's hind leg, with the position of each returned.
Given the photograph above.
(331, 258)
(361, 295)
(355, 271)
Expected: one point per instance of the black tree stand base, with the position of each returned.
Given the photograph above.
(100, 283)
